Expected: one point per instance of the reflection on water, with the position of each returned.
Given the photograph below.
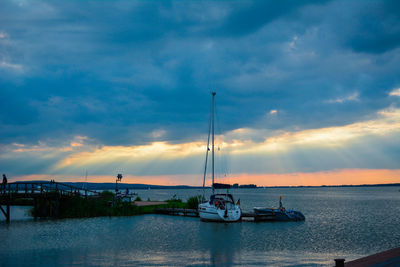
(18, 213)
(340, 222)
(224, 247)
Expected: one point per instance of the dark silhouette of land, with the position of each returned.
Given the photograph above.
(109, 186)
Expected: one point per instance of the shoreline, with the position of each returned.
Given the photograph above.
(108, 186)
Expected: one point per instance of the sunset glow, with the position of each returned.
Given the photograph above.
(81, 156)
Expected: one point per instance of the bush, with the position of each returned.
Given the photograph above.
(107, 195)
(138, 199)
(193, 202)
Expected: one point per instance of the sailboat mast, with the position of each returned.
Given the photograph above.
(212, 130)
(208, 149)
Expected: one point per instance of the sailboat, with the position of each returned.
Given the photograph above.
(220, 207)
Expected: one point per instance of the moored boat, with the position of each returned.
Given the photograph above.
(279, 214)
(220, 207)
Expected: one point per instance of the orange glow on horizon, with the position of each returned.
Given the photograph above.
(336, 177)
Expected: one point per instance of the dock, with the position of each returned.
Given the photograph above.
(190, 212)
(51, 199)
(49, 196)
(246, 216)
(177, 212)
(386, 258)
(149, 203)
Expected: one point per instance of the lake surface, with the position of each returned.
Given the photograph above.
(340, 222)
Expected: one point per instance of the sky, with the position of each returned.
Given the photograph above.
(308, 92)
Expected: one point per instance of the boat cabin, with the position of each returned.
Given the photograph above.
(224, 198)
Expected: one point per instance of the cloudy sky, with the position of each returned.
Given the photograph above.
(308, 92)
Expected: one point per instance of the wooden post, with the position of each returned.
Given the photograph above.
(43, 207)
(57, 207)
(339, 262)
(8, 213)
(35, 209)
(50, 210)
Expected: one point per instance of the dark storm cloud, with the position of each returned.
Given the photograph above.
(117, 71)
(250, 16)
(379, 30)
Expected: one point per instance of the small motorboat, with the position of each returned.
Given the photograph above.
(277, 215)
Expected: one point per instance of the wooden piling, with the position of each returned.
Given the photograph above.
(339, 262)
(35, 209)
(8, 213)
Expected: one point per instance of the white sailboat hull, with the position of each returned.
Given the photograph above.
(209, 212)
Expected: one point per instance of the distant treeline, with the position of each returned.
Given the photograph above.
(312, 186)
(122, 186)
(244, 186)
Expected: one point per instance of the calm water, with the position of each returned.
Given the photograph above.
(340, 222)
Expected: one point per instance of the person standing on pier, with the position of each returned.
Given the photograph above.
(4, 184)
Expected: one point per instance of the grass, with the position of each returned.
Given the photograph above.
(193, 202)
(104, 205)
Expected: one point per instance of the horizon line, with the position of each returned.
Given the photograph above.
(195, 186)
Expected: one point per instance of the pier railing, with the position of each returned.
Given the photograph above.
(30, 189)
(30, 193)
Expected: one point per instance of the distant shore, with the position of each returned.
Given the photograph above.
(108, 186)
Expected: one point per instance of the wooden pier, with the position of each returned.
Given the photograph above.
(386, 258)
(46, 195)
(246, 216)
(191, 212)
(52, 199)
(178, 212)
